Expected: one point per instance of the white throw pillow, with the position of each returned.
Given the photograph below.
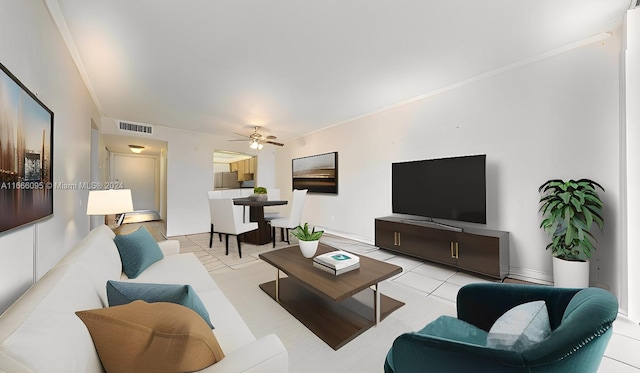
(521, 327)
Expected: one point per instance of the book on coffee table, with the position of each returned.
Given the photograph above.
(336, 271)
(337, 262)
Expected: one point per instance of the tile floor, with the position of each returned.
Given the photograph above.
(428, 279)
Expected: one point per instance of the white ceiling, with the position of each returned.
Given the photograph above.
(120, 144)
(296, 66)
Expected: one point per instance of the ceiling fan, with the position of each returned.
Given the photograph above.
(256, 140)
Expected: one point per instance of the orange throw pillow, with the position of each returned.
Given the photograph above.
(151, 337)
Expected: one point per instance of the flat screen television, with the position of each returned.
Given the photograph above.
(446, 188)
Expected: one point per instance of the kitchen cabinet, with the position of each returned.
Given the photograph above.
(246, 168)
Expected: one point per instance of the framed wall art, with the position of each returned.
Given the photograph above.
(26, 154)
(317, 173)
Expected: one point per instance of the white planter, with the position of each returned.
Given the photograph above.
(568, 274)
(308, 248)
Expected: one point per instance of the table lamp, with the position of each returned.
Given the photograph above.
(109, 202)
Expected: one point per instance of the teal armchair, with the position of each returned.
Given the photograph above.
(581, 326)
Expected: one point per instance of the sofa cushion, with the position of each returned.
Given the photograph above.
(178, 269)
(520, 327)
(151, 337)
(138, 250)
(98, 254)
(231, 330)
(120, 293)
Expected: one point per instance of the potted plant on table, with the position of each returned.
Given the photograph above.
(260, 193)
(569, 209)
(308, 240)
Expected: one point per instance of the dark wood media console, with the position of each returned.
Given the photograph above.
(481, 251)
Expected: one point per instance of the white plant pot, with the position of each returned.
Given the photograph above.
(569, 274)
(308, 248)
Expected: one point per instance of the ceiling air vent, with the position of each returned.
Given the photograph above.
(140, 128)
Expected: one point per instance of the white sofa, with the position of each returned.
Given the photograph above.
(40, 332)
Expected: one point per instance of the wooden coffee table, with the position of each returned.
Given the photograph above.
(324, 302)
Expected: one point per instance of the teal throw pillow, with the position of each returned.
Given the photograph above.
(450, 328)
(521, 327)
(138, 250)
(119, 293)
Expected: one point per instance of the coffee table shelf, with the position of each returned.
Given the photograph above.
(336, 323)
(325, 303)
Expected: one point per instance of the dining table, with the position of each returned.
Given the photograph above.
(262, 235)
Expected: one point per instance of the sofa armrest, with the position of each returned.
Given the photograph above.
(264, 355)
(169, 247)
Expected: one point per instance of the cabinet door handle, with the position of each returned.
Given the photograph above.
(395, 238)
(398, 238)
(454, 249)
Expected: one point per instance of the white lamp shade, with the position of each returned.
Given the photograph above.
(109, 202)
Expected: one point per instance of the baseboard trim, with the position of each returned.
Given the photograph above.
(346, 235)
(531, 275)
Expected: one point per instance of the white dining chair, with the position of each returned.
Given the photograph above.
(272, 212)
(228, 221)
(238, 193)
(213, 194)
(294, 218)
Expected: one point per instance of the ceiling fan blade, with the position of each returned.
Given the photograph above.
(239, 134)
(238, 140)
(274, 143)
(270, 137)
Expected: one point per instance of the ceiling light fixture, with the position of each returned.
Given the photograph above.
(254, 144)
(136, 148)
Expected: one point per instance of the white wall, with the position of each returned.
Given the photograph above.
(33, 50)
(554, 118)
(631, 109)
(266, 175)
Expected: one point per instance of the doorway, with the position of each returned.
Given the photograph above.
(138, 173)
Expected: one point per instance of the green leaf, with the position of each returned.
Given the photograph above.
(580, 233)
(576, 203)
(588, 217)
(316, 235)
(567, 214)
(565, 196)
(568, 237)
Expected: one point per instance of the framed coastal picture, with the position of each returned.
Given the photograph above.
(317, 173)
(26, 154)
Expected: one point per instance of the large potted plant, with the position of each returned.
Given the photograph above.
(569, 209)
(308, 240)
